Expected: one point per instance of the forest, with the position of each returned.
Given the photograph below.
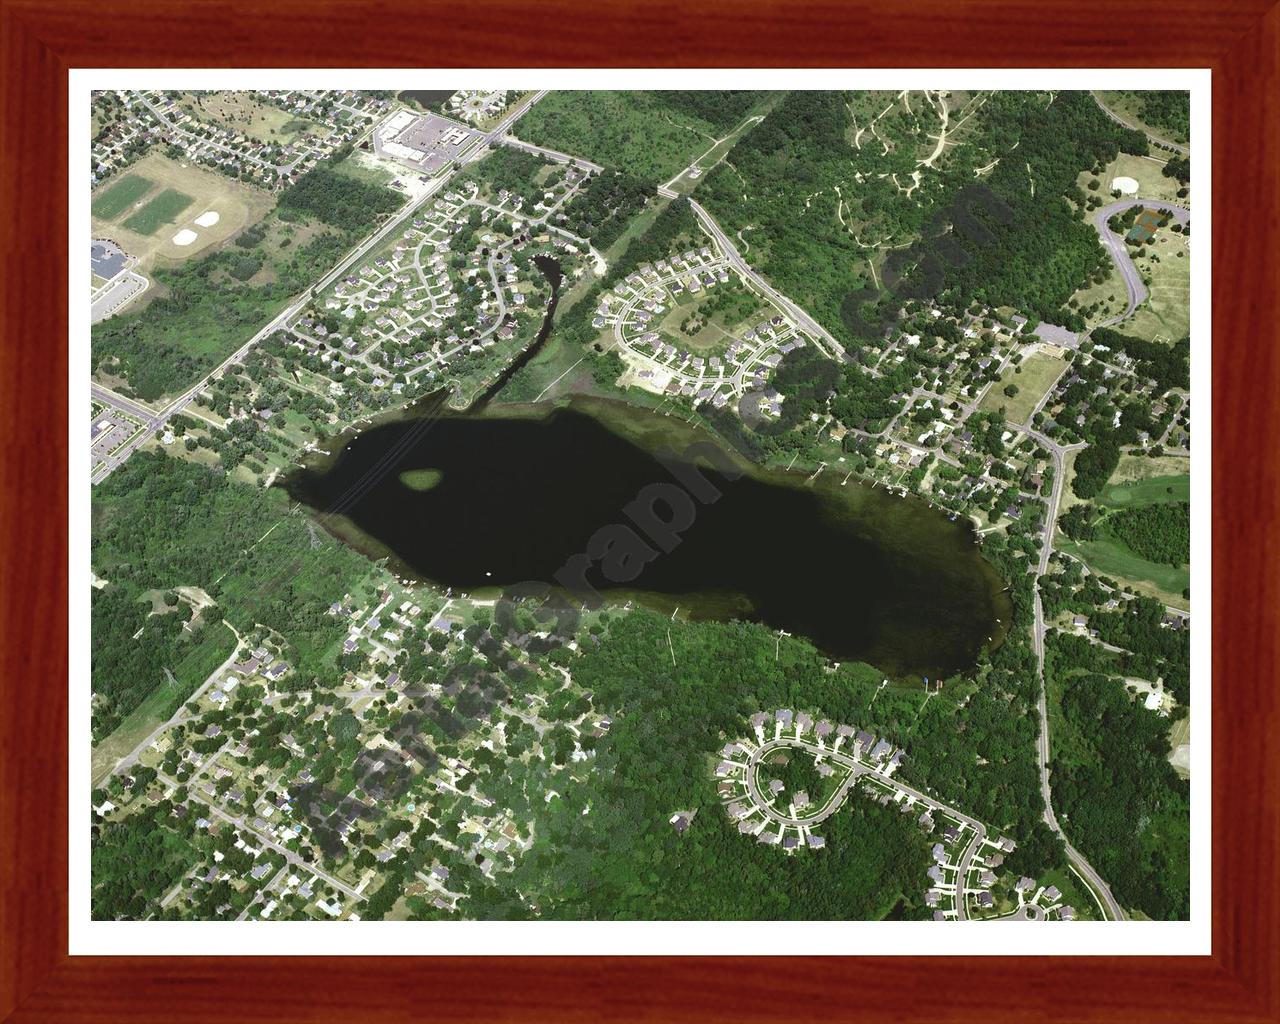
(652, 135)
(162, 522)
(339, 199)
(1010, 238)
(602, 210)
(135, 862)
(1168, 111)
(1117, 795)
(1159, 533)
(623, 859)
(1020, 243)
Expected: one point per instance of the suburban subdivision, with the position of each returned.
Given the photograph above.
(606, 505)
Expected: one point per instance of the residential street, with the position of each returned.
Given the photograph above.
(1078, 859)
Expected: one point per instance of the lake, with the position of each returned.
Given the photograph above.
(480, 500)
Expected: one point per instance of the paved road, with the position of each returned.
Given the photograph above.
(130, 759)
(856, 769)
(551, 154)
(1081, 863)
(284, 851)
(1119, 252)
(797, 315)
(1154, 138)
(157, 419)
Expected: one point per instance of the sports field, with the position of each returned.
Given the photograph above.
(119, 196)
(161, 210)
(238, 206)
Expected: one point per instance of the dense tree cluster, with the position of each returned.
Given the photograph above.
(1168, 111)
(1014, 240)
(806, 377)
(161, 522)
(604, 207)
(1118, 796)
(1159, 533)
(1094, 465)
(338, 199)
(624, 860)
(135, 862)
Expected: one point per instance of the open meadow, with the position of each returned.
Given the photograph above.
(1032, 377)
(242, 112)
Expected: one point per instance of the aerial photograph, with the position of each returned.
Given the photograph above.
(624, 505)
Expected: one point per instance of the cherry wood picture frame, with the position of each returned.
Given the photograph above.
(41, 39)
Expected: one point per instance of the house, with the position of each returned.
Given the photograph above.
(985, 899)
(939, 853)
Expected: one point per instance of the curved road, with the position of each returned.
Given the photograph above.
(1154, 138)
(1119, 253)
(856, 769)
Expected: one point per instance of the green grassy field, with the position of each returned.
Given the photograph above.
(1110, 557)
(1149, 491)
(1039, 371)
(1166, 315)
(161, 210)
(112, 202)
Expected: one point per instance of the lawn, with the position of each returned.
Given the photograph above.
(117, 198)
(1137, 481)
(1166, 315)
(1147, 491)
(1147, 171)
(162, 209)
(1032, 377)
(1110, 557)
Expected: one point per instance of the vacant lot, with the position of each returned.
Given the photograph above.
(120, 195)
(242, 112)
(238, 206)
(162, 209)
(1039, 371)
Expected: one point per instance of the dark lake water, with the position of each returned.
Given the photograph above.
(863, 574)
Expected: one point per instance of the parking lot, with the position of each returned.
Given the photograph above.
(426, 143)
